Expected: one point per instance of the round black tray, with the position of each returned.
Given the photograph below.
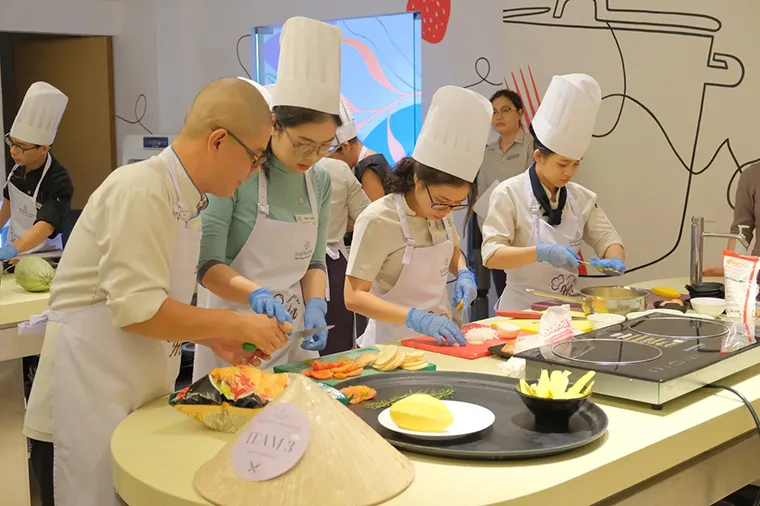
(496, 350)
(515, 433)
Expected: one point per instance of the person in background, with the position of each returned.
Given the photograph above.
(263, 249)
(405, 244)
(536, 220)
(746, 209)
(509, 155)
(37, 194)
(120, 300)
(347, 202)
(370, 168)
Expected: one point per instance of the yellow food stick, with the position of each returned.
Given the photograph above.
(544, 385)
(525, 388)
(460, 305)
(588, 388)
(582, 382)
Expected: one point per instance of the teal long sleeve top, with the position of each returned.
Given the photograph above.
(228, 221)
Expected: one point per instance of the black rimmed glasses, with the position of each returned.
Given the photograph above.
(256, 160)
(11, 144)
(439, 206)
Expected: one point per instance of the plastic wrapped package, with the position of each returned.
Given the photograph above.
(229, 397)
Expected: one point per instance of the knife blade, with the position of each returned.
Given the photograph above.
(294, 335)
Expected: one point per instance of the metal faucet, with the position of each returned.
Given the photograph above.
(698, 235)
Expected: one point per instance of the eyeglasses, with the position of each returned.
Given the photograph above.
(256, 160)
(305, 150)
(438, 206)
(21, 148)
(504, 111)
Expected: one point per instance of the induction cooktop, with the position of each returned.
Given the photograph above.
(652, 359)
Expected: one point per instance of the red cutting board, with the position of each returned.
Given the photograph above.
(470, 351)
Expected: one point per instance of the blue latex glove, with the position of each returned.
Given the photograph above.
(313, 318)
(562, 257)
(433, 325)
(8, 252)
(263, 302)
(609, 263)
(465, 290)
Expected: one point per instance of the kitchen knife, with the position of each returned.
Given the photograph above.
(294, 335)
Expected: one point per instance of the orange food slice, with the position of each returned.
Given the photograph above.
(355, 372)
(322, 375)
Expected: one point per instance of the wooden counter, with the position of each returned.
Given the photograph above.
(696, 450)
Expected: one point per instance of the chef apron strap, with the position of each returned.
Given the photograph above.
(263, 207)
(448, 229)
(363, 152)
(48, 163)
(312, 195)
(10, 175)
(180, 206)
(408, 250)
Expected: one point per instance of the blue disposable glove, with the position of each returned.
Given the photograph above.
(263, 302)
(433, 325)
(609, 263)
(562, 257)
(8, 252)
(465, 290)
(313, 318)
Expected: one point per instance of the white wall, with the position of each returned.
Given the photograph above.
(639, 178)
(73, 17)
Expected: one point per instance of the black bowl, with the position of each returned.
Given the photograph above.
(716, 290)
(554, 410)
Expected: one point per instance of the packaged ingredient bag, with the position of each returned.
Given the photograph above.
(229, 397)
(741, 286)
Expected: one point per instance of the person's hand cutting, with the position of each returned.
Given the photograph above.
(263, 302)
(611, 266)
(465, 290)
(261, 331)
(558, 255)
(436, 326)
(313, 318)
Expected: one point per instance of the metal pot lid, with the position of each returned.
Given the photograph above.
(606, 351)
(680, 328)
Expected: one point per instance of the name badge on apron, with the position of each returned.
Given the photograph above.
(306, 219)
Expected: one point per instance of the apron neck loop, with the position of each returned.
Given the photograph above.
(400, 209)
(263, 207)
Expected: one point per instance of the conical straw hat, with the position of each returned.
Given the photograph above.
(345, 462)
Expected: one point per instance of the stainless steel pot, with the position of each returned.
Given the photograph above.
(604, 299)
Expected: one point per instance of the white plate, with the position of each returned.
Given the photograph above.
(468, 419)
(633, 316)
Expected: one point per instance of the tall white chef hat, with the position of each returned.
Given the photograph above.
(262, 89)
(565, 119)
(455, 132)
(40, 114)
(308, 73)
(347, 130)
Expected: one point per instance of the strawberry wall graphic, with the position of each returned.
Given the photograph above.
(435, 18)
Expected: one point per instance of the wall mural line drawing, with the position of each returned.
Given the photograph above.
(677, 31)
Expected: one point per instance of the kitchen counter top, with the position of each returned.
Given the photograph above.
(696, 450)
(16, 304)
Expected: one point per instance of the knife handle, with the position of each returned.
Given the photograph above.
(249, 347)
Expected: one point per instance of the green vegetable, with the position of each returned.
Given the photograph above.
(445, 393)
(34, 274)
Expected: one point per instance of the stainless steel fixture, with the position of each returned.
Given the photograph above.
(698, 235)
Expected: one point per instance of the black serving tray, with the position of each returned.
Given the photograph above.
(514, 435)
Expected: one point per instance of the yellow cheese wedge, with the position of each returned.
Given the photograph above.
(421, 413)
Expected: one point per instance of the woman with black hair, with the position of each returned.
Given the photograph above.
(506, 157)
(536, 220)
(405, 244)
(263, 250)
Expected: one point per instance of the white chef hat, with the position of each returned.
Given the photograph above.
(565, 119)
(40, 114)
(455, 132)
(347, 130)
(262, 89)
(308, 73)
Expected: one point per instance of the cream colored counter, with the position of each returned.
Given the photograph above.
(696, 450)
(16, 305)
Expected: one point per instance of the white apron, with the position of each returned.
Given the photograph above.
(541, 275)
(102, 374)
(24, 212)
(276, 255)
(421, 285)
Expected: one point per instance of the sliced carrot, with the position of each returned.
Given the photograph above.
(322, 375)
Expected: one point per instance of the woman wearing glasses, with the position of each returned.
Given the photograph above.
(263, 250)
(405, 244)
